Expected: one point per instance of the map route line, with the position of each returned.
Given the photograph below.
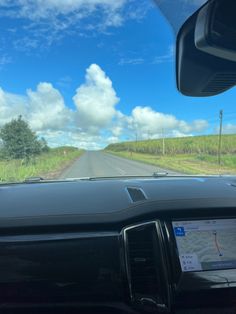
(216, 243)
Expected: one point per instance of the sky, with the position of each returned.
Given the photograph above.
(88, 73)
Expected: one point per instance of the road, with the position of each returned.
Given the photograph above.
(101, 164)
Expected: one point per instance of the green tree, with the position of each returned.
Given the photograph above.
(19, 141)
(44, 145)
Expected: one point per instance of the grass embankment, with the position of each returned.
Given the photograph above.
(190, 155)
(47, 165)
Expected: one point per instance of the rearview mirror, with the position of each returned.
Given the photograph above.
(205, 54)
(215, 31)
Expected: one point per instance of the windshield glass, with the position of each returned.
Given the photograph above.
(87, 89)
(185, 9)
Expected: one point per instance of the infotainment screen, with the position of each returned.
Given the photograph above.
(206, 244)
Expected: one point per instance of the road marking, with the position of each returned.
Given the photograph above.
(121, 171)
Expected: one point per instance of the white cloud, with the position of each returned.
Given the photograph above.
(137, 10)
(117, 130)
(11, 105)
(150, 124)
(112, 139)
(46, 108)
(44, 22)
(76, 139)
(168, 57)
(146, 117)
(131, 61)
(95, 122)
(199, 125)
(50, 9)
(228, 128)
(95, 100)
(4, 59)
(43, 108)
(177, 133)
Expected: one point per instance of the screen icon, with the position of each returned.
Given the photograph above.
(179, 231)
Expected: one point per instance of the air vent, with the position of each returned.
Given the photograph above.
(136, 194)
(221, 81)
(146, 270)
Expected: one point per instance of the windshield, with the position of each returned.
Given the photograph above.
(87, 89)
(185, 9)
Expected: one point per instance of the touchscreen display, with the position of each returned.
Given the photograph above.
(206, 244)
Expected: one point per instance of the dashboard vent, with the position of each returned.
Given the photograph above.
(136, 194)
(146, 270)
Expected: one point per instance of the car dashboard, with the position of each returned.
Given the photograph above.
(119, 246)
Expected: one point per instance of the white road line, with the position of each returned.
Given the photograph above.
(121, 171)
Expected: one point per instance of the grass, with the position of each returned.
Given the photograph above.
(198, 145)
(190, 155)
(47, 165)
(185, 163)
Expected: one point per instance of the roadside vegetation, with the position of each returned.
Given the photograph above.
(47, 165)
(24, 155)
(190, 155)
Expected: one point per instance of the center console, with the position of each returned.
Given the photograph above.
(182, 263)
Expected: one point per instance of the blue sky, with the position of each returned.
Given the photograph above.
(89, 73)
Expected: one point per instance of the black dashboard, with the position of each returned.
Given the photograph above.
(119, 245)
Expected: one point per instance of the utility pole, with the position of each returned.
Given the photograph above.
(220, 138)
(163, 141)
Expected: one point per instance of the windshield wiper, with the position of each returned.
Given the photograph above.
(154, 175)
(160, 174)
(40, 179)
(33, 179)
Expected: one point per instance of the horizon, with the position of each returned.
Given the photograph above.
(86, 80)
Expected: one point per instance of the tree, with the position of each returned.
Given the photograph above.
(44, 145)
(19, 141)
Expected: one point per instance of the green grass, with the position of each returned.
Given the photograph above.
(190, 155)
(188, 164)
(207, 145)
(47, 165)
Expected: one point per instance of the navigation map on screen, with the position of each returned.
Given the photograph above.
(206, 244)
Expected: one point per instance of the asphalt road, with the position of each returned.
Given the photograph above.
(101, 164)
